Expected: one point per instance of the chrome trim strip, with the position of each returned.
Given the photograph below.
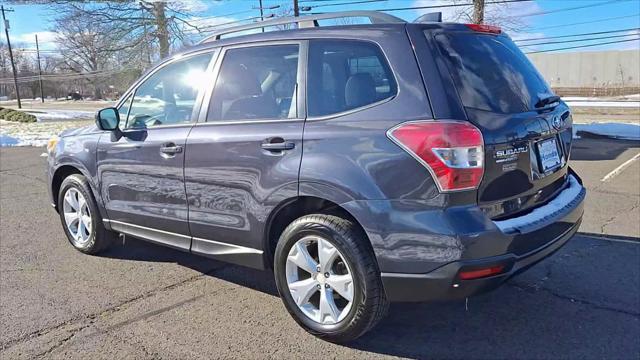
(354, 110)
(149, 229)
(237, 122)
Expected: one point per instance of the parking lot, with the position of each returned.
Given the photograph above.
(142, 301)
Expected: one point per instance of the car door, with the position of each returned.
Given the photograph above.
(243, 156)
(141, 173)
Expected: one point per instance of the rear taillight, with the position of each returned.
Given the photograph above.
(452, 151)
(484, 28)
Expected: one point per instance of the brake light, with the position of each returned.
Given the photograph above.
(485, 28)
(452, 151)
(481, 273)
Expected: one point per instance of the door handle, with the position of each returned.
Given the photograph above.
(277, 144)
(170, 149)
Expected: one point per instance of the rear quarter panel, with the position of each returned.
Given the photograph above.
(351, 152)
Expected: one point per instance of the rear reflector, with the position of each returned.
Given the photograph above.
(484, 28)
(480, 273)
(452, 151)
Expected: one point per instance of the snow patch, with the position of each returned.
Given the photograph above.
(6, 140)
(560, 202)
(56, 115)
(34, 134)
(623, 131)
(601, 103)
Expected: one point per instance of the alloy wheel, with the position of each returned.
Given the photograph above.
(319, 280)
(77, 217)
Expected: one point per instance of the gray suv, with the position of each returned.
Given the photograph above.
(362, 164)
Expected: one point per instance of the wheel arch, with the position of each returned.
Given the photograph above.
(289, 210)
(61, 173)
(65, 170)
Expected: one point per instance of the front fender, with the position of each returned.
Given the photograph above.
(78, 152)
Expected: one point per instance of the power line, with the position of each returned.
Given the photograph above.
(308, 1)
(582, 46)
(580, 40)
(67, 76)
(573, 35)
(570, 8)
(309, 7)
(214, 27)
(586, 22)
(223, 15)
(450, 5)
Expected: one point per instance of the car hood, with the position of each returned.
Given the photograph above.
(85, 130)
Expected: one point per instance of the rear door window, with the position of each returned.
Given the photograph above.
(345, 75)
(491, 73)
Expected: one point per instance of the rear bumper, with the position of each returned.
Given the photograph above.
(444, 284)
(422, 250)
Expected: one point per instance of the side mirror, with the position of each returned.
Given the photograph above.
(108, 119)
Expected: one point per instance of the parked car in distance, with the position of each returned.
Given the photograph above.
(74, 95)
(363, 164)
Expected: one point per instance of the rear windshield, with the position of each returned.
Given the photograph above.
(491, 73)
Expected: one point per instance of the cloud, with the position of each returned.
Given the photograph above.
(194, 5)
(44, 38)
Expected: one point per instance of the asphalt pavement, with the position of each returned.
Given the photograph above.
(143, 301)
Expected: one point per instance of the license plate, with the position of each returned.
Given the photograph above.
(549, 156)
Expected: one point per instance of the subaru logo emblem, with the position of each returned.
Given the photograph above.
(557, 122)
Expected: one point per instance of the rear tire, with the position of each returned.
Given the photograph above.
(80, 217)
(342, 298)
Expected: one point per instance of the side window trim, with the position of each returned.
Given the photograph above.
(388, 64)
(301, 83)
(127, 100)
(131, 92)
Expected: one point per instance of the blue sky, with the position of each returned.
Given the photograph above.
(27, 20)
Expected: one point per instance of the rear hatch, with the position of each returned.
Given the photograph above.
(526, 129)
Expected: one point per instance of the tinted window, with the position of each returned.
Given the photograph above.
(169, 95)
(491, 73)
(345, 75)
(256, 83)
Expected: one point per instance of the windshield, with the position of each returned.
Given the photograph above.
(491, 73)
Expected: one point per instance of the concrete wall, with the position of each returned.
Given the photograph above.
(589, 68)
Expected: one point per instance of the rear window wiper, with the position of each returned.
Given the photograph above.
(547, 100)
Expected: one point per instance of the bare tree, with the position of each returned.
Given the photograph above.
(478, 11)
(504, 15)
(161, 23)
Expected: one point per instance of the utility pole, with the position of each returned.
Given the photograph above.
(39, 69)
(296, 8)
(478, 11)
(13, 65)
(261, 13)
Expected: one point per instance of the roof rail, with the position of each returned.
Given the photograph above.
(306, 21)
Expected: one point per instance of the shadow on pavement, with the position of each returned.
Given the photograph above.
(595, 148)
(139, 250)
(555, 309)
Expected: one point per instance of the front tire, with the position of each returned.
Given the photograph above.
(80, 217)
(328, 278)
